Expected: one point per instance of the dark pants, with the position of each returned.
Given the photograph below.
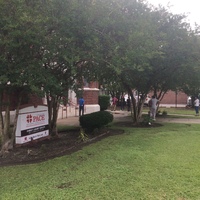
(122, 105)
(81, 110)
(196, 109)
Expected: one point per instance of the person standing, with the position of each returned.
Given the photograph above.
(114, 101)
(196, 106)
(81, 106)
(128, 104)
(153, 107)
(122, 104)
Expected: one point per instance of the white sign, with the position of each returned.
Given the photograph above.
(32, 124)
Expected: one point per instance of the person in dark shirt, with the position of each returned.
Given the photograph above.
(128, 104)
(122, 102)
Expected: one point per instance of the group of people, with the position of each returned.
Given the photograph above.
(123, 103)
(153, 103)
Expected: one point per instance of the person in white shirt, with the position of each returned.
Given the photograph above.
(153, 107)
(196, 106)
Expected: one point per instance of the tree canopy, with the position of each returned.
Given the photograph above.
(47, 47)
(146, 49)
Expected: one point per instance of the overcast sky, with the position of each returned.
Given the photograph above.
(189, 7)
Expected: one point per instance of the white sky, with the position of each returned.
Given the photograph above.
(189, 7)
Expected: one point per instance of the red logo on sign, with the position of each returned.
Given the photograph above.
(29, 118)
(39, 118)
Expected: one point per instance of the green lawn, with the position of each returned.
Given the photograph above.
(183, 111)
(142, 164)
(175, 111)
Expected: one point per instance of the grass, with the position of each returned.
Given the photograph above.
(63, 128)
(176, 112)
(144, 163)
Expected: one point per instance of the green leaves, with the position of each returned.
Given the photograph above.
(51, 44)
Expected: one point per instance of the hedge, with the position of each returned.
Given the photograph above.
(104, 102)
(96, 120)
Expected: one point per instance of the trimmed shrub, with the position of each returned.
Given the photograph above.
(164, 113)
(96, 120)
(104, 102)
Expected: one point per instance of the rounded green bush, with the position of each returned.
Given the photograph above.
(95, 120)
(104, 102)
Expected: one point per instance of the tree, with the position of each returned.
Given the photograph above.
(190, 76)
(20, 57)
(144, 48)
(68, 49)
(45, 46)
(128, 42)
(177, 50)
(49, 46)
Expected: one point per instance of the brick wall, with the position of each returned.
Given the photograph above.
(91, 93)
(91, 96)
(26, 99)
(93, 85)
(35, 100)
(173, 98)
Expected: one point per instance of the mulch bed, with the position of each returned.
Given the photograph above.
(65, 144)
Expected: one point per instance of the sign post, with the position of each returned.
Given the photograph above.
(32, 124)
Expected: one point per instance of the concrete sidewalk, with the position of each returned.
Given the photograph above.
(119, 115)
(69, 121)
(74, 121)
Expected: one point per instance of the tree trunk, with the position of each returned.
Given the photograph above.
(5, 128)
(55, 116)
(137, 108)
(133, 107)
(1, 117)
(6, 132)
(15, 120)
(50, 106)
(53, 108)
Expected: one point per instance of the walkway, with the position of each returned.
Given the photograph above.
(119, 115)
(74, 121)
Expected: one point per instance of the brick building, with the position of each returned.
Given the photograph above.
(174, 99)
(91, 97)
